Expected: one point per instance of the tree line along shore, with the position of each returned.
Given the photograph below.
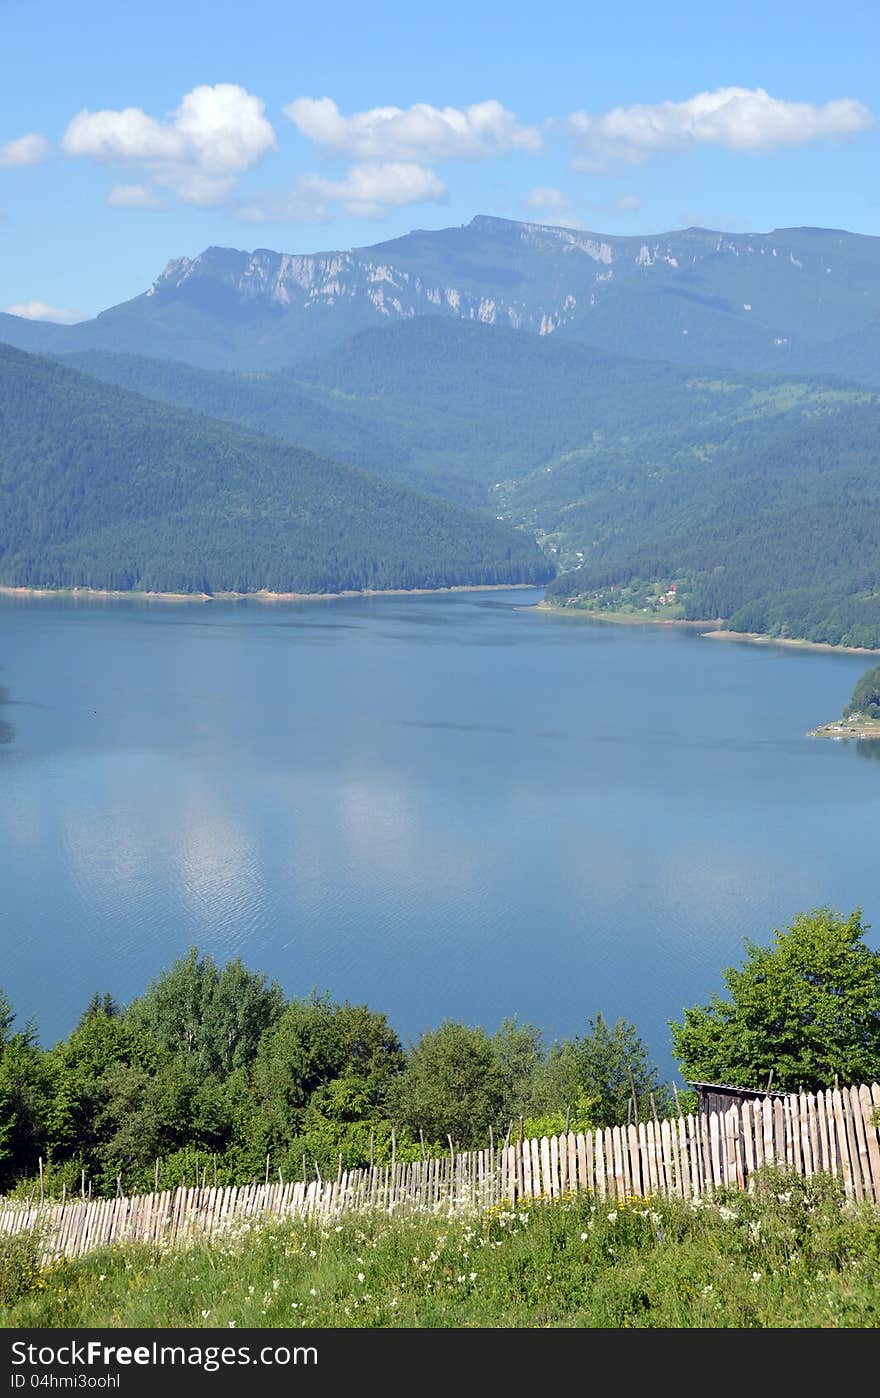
(216, 1065)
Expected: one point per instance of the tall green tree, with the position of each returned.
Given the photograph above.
(519, 1051)
(25, 1095)
(453, 1085)
(315, 1043)
(866, 695)
(214, 1019)
(806, 1008)
(595, 1072)
(100, 1004)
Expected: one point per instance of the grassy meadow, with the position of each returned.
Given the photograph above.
(794, 1253)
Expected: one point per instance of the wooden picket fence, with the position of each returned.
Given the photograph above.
(690, 1156)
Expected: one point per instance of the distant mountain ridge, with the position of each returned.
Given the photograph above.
(779, 302)
(687, 416)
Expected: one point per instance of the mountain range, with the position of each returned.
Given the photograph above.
(796, 299)
(693, 411)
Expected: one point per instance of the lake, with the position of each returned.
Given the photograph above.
(447, 806)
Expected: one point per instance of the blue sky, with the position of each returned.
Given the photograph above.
(133, 134)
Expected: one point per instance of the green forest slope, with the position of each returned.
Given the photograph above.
(104, 489)
(779, 536)
(455, 407)
(756, 496)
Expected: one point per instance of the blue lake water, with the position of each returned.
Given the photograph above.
(445, 807)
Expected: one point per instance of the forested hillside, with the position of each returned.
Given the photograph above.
(104, 489)
(757, 497)
(456, 408)
(447, 406)
(651, 485)
(780, 536)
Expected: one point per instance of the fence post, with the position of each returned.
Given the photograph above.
(632, 1088)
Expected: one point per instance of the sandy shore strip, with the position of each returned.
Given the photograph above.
(756, 638)
(714, 630)
(626, 618)
(98, 593)
(864, 728)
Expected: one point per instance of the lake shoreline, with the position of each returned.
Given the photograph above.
(713, 630)
(263, 595)
(859, 728)
(626, 618)
(757, 638)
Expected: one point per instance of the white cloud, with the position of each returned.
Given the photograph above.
(38, 310)
(738, 118)
(548, 198)
(560, 209)
(368, 191)
(418, 133)
(133, 196)
(29, 149)
(209, 140)
(557, 208)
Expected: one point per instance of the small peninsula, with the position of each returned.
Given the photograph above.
(861, 717)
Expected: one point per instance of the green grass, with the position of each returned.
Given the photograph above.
(796, 1254)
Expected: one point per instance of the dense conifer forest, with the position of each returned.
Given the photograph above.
(756, 496)
(103, 489)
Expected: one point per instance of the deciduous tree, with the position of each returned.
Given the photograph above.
(806, 1008)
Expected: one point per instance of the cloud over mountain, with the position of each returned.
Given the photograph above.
(198, 152)
(419, 133)
(134, 196)
(738, 118)
(367, 191)
(38, 310)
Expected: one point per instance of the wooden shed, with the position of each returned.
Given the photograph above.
(719, 1097)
